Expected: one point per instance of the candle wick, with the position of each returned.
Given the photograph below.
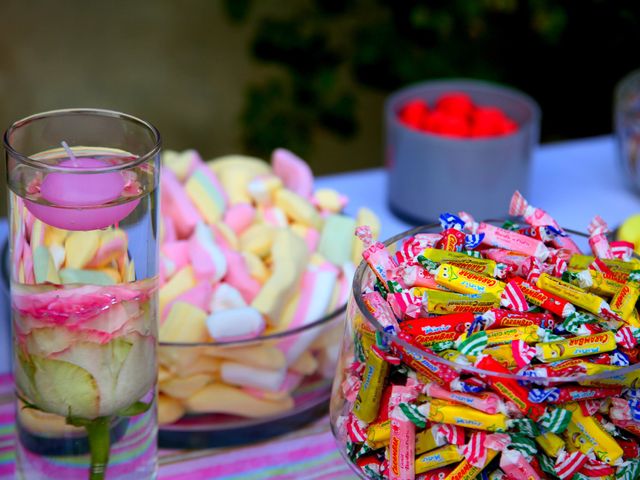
(70, 153)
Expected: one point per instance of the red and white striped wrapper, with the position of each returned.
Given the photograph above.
(475, 452)
(356, 429)
(622, 250)
(625, 338)
(569, 464)
(596, 468)
(402, 444)
(513, 298)
(405, 304)
(453, 434)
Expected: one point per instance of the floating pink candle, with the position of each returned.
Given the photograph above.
(80, 201)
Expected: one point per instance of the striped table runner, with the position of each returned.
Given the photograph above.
(309, 453)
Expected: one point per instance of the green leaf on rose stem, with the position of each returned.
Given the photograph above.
(27, 403)
(77, 421)
(134, 409)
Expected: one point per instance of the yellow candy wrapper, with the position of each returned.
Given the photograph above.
(587, 433)
(374, 377)
(440, 457)
(465, 281)
(582, 262)
(444, 412)
(551, 443)
(483, 266)
(466, 471)
(441, 302)
(501, 336)
(576, 347)
(578, 297)
(624, 301)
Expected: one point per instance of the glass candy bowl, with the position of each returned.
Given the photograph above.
(457, 416)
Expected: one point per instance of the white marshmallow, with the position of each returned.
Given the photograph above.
(235, 323)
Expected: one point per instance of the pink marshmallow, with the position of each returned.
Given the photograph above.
(312, 237)
(198, 296)
(169, 228)
(239, 217)
(177, 204)
(177, 252)
(238, 276)
(294, 172)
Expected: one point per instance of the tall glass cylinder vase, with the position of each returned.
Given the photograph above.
(83, 208)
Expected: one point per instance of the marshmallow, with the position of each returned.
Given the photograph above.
(37, 235)
(262, 188)
(257, 239)
(207, 258)
(225, 236)
(54, 236)
(184, 324)
(289, 255)
(306, 364)
(257, 355)
(182, 281)
(329, 200)
(92, 277)
(239, 217)
(220, 398)
(58, 254)
(246, 376)
(207, 194)
(256, 266)
(170, 410)
(177, 204)
(298, 208)
(198, 296)
(254, 165)
(310, 235)
(273, 216)
(81, 246)
(182, 164)
(226, 297)
(318, 287)
(204, 364)
(294, 172)
(177, 252)
(238, 276)
(234, 324)
(112, 246)
(337, 238)
(184, 387)
(27, 264)
(291, 381)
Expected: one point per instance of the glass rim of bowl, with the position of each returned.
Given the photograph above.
(325, 319)
(38, 164)
(373, 322)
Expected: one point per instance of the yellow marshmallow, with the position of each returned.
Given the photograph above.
(221, 398)
(328, 199)
(54, 236)
(298, 208)
(81, 247)
(182, 281)
(169, 409)
(289, 256)
(261, 356)
(254, 165)
(256, 266)
(258, 239)
(306, 364)
(183, 387)
(228, 234)
(184, 324)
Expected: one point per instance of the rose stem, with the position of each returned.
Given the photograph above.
(99, 445)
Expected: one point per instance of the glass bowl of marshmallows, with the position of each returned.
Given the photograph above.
(255, 271)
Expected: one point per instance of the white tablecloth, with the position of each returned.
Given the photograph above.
(572, 180)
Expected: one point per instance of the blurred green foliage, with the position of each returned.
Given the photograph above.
(567, 54)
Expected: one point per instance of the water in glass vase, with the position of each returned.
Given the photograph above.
(84, 299)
